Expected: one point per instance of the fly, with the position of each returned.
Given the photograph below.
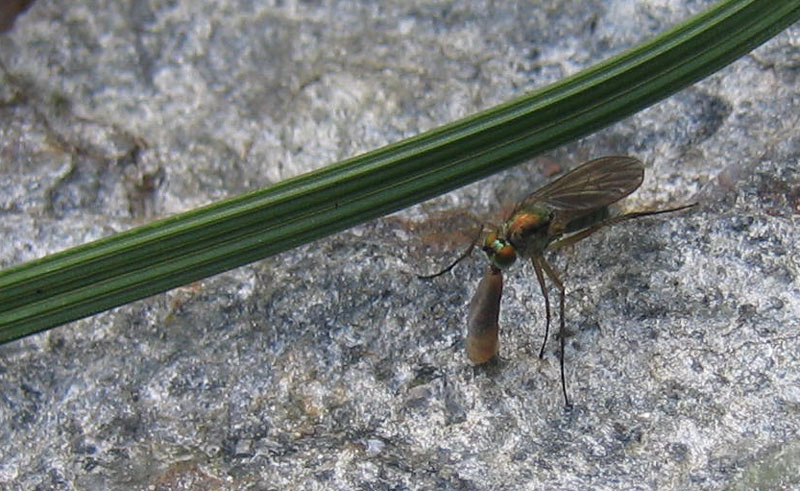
(559, 214)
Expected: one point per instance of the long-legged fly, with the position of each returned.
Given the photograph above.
(559, 214)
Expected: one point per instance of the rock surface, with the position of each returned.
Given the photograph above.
(332, 366)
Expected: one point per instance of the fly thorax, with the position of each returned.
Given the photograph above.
(527, 229)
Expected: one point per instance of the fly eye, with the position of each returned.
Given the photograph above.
(505, 257)
(501, 253)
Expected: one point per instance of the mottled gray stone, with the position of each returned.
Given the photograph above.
(332, 366)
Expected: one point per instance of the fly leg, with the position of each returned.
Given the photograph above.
(460, 258)
(562, 327)
(537, 267)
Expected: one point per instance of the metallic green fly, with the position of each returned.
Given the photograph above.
(559, 214)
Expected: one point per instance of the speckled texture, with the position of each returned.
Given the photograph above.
(332, 366)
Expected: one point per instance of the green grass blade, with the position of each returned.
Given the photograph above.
(132, 265)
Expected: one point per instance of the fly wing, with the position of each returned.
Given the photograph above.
(595, 184)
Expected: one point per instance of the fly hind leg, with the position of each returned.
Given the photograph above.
(537, 267)
(562, 326)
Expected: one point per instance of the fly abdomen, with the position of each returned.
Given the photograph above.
(587, 220)
(484, 310)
